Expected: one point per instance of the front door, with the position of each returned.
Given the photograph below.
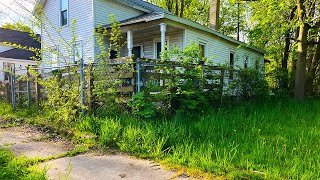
(136, 51)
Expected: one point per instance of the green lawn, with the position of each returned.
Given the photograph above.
(271, 140)
(15, 168)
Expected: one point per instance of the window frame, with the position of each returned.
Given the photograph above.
(204, 43)
(246, 61)
(60, 14)
(231, 71)
(155, 49)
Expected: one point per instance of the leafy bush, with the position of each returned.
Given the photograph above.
(249, 83)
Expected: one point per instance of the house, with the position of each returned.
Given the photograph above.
(146, 28)
(16, 58)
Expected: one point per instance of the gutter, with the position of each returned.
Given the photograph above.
(209, 30)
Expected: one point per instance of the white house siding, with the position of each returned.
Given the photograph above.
(103, 8)
(20, 66)
(79, 10)
(219, 50)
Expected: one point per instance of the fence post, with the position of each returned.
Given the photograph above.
(28, 87)
(138, 75)
(7, 92)
(222, 84)
(90, 87)
(82, 84)
(13, 94)
(37, 89)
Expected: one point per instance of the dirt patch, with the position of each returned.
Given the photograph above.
(32, 143)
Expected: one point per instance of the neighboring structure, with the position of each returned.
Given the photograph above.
(16, 58)
(146, 28)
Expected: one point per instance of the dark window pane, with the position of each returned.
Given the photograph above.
(202, 51)
(64, 18)
(231, 66)
(246, 62)
(158, 50)
(113, 54)
(136, 51)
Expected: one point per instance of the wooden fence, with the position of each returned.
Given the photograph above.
(133, 80)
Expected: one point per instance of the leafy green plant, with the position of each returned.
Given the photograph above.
(249, 83)
(142, 105)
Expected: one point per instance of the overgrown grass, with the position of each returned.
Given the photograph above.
(15, 168)
(272, 140)
(256, 140)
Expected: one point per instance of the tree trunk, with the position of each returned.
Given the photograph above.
(312, 70)
(214, 14)
(182, 8)
(177, 7)
(299, 89)
(284, 63)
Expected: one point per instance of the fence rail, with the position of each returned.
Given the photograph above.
(132, 80)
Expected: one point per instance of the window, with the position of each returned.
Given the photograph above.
(257, 64)
(77, 52)
(202, 49)
(7, 67)
(231, 65)
(158, 49)
(64, 12)
(246, 61)
(113, 54)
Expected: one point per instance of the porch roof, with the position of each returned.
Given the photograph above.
(160, 15)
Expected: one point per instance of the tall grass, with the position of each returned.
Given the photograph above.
(12, 167)
(272, 140)
(258, 140)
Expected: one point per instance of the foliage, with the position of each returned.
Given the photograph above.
(142, 105)
(273, 139)
(110, 71)
(177, 83)
(18, 27)
(12, 167)
(249, 84)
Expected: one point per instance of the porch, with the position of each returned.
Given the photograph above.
(146, 39)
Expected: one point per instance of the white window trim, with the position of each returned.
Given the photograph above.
(205, 44)
(60, 10)
(244, 61)
(155, 41)
(141, 51)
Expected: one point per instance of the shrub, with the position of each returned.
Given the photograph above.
(249, 83)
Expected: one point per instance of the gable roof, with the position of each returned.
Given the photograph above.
(19, 38)
(142, 4)
(160, 15)
(136, 4)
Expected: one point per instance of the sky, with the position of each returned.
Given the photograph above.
(12, 11)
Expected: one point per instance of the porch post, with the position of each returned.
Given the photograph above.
(130, 42)
(163, 29)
